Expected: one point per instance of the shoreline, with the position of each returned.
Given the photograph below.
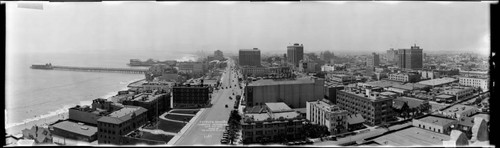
(53, 116)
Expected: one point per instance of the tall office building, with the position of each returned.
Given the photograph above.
(392, 56)
(373, 60)
(295, 53)
(218, 55)
(410, 58)
(249, 57)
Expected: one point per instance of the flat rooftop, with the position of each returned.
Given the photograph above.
(382, 83)
(387, 93)
(278, 107)
(265, 82)
(413, 136)
(275, 116)
(444, 96)
(458, 89)
(144, 97)
(459, 109)
(327, 107)
(123, 114)
(436, 120)
(410, 86)
(434, 82)
(362, 94)
(254, 49)
(74, 127)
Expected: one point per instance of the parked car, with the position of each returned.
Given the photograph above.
(226, 105)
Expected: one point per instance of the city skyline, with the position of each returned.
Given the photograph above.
(344, 28)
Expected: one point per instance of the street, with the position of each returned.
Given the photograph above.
(208, 128)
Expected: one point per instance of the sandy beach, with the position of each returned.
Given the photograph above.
(14, 130)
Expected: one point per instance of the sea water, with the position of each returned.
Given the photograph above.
(33, 94)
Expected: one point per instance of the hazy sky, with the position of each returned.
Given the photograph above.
(191, 26)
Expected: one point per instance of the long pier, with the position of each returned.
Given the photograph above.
(100, 69)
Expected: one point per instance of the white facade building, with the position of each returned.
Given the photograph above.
(331, 116)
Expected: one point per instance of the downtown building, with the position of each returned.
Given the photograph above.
(460, 93)
(392, 56)
(405, 77)
(192, 67)
(249, 57)
(341, 79)
(307, 66)
(155, 102)
(373, 107)
(271, 122)
(113, 127)
(474, 82)
(373, 60)
(295, 53)
(218, 55)
(89, 114)
(410, 58)
(295, 93)
(188, 96)
(329, 115)
(277, 72)
(161, 71)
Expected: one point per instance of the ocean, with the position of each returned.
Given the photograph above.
(33, 95)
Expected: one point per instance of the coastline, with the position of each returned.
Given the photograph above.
(53, 116)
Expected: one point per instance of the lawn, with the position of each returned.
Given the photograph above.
(159, 137)
(178, 117)
(192, 112)
(170, 126)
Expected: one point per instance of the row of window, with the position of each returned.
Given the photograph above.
(269, 132)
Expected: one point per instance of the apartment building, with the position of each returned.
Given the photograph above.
(460, 93)
(375, 108)
(404, 77)
(341, 78)
(329, 115)
(190, 95)
(112, 127)
(272, 122)
(474, 82)
(156, 103)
